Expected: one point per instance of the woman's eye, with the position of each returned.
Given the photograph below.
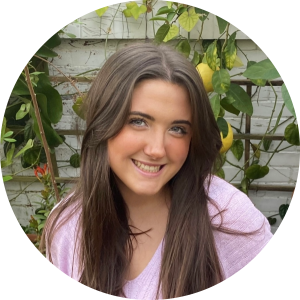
(137, 122)
(178, 130)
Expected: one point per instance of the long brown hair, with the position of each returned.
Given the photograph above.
(190, 262)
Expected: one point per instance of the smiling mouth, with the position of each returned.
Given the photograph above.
(147, 168)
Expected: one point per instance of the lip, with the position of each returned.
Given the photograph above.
(148, 174)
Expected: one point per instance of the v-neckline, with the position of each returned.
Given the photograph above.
(149, 265)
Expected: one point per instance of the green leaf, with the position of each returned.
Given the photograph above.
(32, 156)
(101, 11)
(226, 103)
(272, 221)
(237, 149)
(188, 19)
(283, 208)
(257, 171)
(181, 10)
(54, 101)
(196, 59)
(287, 100)
(230, 52)
(10, 153)
(291, 134)
(44, 51)
(9, 140)
(161, 33)
(78, 108)
(41, 226)
(267, 144)
(211, 55)
(173, 32)
(127, 13)
(39, 217)
(203, 14)
(221, 81)
(75, 160)
(164, 10)
(215, 105)
(70, 35)
(258, 82)
(7, 178)
(242, 100)
(184, 47)
(3, 129)
(137, 11)
(54, 41)
(262, 70)
(28, 145)
(237, 62)
(23, 111)
(28, 130)
(222, 24)
(20, 88)
(170, 16)
(223, 126)
(159, 19)
(256, 150)
(52, 137)
(131, 4)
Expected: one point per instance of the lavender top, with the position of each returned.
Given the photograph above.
(235, 251)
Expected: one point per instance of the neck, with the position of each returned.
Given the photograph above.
(145, 211)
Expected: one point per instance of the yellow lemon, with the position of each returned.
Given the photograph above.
(206, 74)
(227, 142)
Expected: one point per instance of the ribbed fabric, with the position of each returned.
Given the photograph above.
(235, 251)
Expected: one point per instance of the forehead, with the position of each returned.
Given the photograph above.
(161, 97)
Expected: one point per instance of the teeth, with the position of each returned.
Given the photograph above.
(146, 168)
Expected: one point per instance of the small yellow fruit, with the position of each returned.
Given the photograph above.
(227, 142)
(206, 74)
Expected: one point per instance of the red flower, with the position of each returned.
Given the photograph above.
(38, 170)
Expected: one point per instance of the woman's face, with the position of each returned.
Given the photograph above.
(154, 143)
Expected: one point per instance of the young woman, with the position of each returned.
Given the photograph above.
(147, 218)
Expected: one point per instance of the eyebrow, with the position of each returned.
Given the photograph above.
(146, 116)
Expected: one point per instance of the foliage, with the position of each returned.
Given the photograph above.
(220, 55)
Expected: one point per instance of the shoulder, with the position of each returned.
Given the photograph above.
(235, 212)
(64, 246)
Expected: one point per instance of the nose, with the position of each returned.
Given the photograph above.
(155, 145)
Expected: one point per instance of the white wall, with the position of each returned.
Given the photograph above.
(88, 51)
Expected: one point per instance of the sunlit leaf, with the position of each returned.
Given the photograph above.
(211, 55)
(161, 33)
(101, 11)
(164, 10)
(28, 145)
(173, 32)
(221, 81)
(237, 62)
(7, 178)
(287, 100)
(230, 52)
(188, 19)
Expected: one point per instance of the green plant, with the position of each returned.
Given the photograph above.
(48, 201)
(220, 56)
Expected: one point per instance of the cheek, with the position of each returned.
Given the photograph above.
(123, 144)
(178, 150)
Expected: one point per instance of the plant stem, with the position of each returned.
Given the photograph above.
(107, 33)
(40, 124)
(233, 164)
(70, 80)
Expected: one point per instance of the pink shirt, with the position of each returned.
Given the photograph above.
(235, 251)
